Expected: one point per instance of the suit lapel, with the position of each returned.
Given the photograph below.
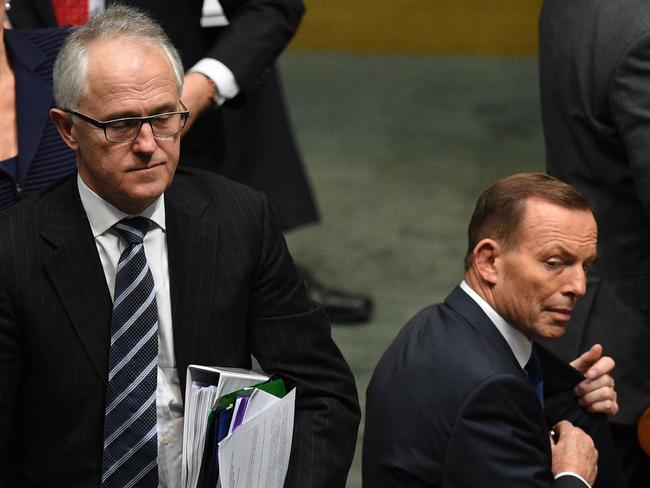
(191, 249)
(33, 97)
(500, 350)
(76, 274)
(462, 303)
(559, 381)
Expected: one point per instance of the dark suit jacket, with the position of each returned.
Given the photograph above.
(43, 157)
(234, 292)
(250, 138)
(449, 406)
(594, 78)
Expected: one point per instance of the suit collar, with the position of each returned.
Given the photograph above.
(465, 306)
(519, 344)
(33, 96)
(22, 52)
(78, 278)
(75, 272)
(102, 215)
(559, 377)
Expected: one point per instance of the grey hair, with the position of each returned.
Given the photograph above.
(71, 65)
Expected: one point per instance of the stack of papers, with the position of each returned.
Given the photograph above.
(237, 429)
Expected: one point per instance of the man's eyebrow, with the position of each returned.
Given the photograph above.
(161, 109)
(558, 249)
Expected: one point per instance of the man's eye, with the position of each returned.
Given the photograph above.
(123, 124)
(553, 263)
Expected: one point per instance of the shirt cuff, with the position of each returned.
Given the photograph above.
(218, 72)
(569, 473)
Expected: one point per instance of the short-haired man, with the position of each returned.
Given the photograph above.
(460, 399)
(115, 279)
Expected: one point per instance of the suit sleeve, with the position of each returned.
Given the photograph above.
(290, 337)
(630, 106)
(499, 434)
(258, 32)
(11, 363)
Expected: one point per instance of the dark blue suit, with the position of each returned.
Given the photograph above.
(449, 406)
(43, 157)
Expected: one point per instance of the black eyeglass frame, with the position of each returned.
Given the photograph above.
(103, 124)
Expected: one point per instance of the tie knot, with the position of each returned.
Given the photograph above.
(133, 229)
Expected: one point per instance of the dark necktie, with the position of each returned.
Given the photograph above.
(535, 377)
(130, 436)
(70, 12)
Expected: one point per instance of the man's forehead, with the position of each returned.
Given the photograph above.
(547, 220)
(123, 50)
(539, 208)
(125, 70)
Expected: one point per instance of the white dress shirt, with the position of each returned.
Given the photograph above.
(520, 345)
(169, 405)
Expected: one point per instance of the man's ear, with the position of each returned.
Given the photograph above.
(484, 260)
(63, 122)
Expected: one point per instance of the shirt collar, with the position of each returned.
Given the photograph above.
(102, 215)
(520, 345)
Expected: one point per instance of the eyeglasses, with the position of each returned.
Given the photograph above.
(127, 129)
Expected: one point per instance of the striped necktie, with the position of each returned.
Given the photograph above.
(130, 435)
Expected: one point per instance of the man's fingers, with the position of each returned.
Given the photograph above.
(601, 367)
(599, 395)
(608, 407)
(587, 359)
(587, 385)
(603, 400)
(562, 426)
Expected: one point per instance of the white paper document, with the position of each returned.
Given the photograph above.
(256, 454)
(205, 384)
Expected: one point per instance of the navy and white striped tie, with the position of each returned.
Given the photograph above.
(130, 435)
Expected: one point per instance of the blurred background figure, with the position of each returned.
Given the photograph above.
(594, 86)
(239, 126)
(32, 155)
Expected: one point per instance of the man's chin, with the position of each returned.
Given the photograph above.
(555, 330)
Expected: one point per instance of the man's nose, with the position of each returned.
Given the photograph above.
(145, 142)
(576, 282)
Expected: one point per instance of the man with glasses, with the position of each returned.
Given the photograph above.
(239, 126)
(127, 129)
(116, 279)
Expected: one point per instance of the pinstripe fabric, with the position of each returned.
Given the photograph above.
(43, 157)
(234, 292)
(130, 440)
